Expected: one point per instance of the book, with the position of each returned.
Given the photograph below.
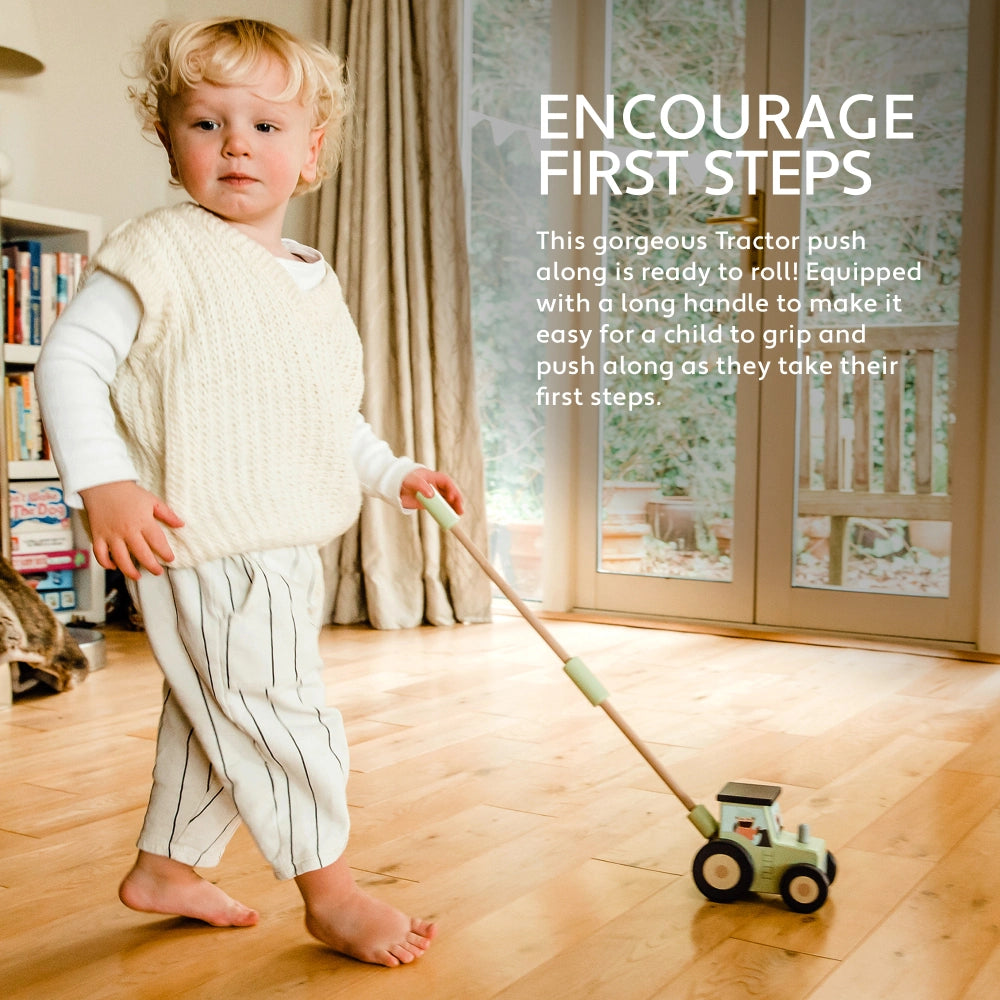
(29, 265)
(48, 294)
(39, 518)
(19, 285)
(54, 579)
(41, 562)
(7, 293)
(12, 400)
(54, 587)
(63, 271)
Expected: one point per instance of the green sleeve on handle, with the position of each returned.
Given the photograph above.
(585, 679)
(704, 822)
(440, 510)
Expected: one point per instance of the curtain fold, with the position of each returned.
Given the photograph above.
(393, 224)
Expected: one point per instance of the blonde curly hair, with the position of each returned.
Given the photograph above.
(226, 51)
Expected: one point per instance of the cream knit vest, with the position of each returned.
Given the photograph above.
(238, 398)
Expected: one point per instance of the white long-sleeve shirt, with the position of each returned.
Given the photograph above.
(81, 355)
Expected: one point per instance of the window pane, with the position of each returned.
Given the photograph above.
(669, 468)
(874, 435)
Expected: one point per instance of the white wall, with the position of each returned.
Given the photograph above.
(70, 133)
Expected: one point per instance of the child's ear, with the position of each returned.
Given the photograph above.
(310, 167)
(163, 135)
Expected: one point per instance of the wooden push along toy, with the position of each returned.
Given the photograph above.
(746, 849)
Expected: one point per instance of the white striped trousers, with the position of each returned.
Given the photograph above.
(244, 733)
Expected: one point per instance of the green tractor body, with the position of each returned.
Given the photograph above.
(750, 852)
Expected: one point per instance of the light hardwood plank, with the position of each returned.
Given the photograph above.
(642, 951)
(736, 969)
(982, 756)
(935, 942)
(532, 929)
(934, 817)
(985, 982)
(846, 806)
(867, 889)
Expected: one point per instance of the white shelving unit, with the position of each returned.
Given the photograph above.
(55, 230)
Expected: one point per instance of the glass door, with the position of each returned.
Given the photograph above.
(881, 508)
(675, 432)
(785, 387)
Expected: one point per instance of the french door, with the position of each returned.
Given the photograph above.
(793, 328)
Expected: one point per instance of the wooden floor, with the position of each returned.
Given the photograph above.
(487, 793)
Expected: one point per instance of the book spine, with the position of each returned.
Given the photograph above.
(7, 297)
(48, 295)
(43, 562)
(10, 420)
(62, 280)
(22, 296)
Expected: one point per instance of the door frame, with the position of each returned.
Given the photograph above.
(571, 583)
(952, 619)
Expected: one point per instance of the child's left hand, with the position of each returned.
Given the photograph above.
(426, 481)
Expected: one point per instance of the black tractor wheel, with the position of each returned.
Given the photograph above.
(723, 871)
(804, 888)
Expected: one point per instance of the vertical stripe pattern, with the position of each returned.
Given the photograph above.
(245, 733)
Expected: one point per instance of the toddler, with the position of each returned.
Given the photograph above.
(206, 371)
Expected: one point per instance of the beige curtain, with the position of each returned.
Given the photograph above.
(393, 224)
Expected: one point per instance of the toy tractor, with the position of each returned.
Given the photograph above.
(749, 852)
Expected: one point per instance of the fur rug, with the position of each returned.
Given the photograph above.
(32, 640)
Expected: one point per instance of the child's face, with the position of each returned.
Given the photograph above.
(239, 152)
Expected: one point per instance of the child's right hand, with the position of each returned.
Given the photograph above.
(125, 527)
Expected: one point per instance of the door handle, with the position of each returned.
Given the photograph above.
(750, 221)
(750, 224)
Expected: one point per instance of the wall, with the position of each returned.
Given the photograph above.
(70, 132)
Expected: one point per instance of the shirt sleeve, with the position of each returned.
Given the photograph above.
(73, 377)
(380, 472)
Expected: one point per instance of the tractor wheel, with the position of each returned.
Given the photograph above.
(804, 888)
(723, 871)
(831, 867)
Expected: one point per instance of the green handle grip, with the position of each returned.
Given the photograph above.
(704, 822)
(439, 509)
(586, 680)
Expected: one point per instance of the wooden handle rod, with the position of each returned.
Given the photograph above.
(654, 763)
(584, 683)
(505, 588)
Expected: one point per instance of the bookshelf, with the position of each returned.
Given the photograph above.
(55, 230)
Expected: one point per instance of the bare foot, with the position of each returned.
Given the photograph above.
(350, 921)
(161, 885)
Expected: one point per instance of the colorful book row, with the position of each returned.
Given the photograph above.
(26, 441)
(37, 284)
